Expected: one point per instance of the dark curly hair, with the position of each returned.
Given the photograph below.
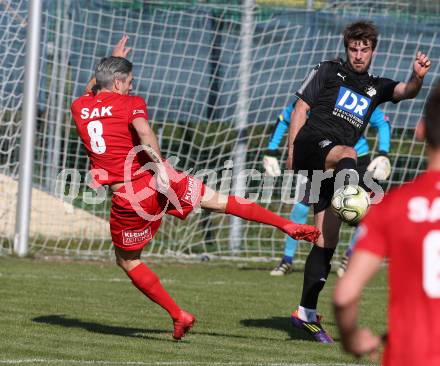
(361, 31)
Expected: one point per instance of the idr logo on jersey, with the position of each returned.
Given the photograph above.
(352, 102)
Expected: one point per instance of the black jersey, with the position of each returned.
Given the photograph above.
(342, 101)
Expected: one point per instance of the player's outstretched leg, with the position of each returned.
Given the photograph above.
(251, 211)
(298, 215)
(149, 284)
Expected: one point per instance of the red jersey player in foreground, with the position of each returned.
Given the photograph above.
(405, 228)
(114, 129)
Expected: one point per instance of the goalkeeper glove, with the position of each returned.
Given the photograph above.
(270, 163)
(380, 166)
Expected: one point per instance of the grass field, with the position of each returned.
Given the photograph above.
(88, 313)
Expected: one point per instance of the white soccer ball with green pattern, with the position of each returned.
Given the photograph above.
(350, 203)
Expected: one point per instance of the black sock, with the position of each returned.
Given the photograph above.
(345, 164)
(316, 272)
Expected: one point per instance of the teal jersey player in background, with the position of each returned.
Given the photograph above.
(380, 168)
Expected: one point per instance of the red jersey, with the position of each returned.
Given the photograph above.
(405, 228)
(103, 122)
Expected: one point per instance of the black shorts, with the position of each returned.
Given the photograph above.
(321, 202)
(310, 151)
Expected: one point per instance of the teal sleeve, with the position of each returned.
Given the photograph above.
(380, 121)
(362, 147)
(281, 126)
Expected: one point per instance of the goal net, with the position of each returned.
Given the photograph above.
(187, 66)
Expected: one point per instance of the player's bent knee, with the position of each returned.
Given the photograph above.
(122, 263)
(348, 152)
(127, 265)
(127, 260)
(214, 201)
(340, 152)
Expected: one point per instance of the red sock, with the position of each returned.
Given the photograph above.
(148, 283)
(250, 211)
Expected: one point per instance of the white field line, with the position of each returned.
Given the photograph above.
(167, 281)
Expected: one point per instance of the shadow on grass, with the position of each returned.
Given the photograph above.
(279, 323)
(64, 321)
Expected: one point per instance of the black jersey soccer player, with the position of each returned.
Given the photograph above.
(334, 105)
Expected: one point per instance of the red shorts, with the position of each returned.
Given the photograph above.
(137, 209)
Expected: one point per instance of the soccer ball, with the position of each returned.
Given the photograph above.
(350, 203)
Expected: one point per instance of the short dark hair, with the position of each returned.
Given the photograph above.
(432, 116)
(110, 69)
(361, 31)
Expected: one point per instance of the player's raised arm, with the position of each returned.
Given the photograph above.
(119, 50)
(297, 120)
(272, 154)
(411, 88)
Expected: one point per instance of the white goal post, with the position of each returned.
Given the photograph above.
(187, 66)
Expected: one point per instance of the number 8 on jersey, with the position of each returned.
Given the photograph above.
(97, 142)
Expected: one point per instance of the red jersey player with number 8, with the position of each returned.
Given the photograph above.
(125, 155)
(405, 228)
